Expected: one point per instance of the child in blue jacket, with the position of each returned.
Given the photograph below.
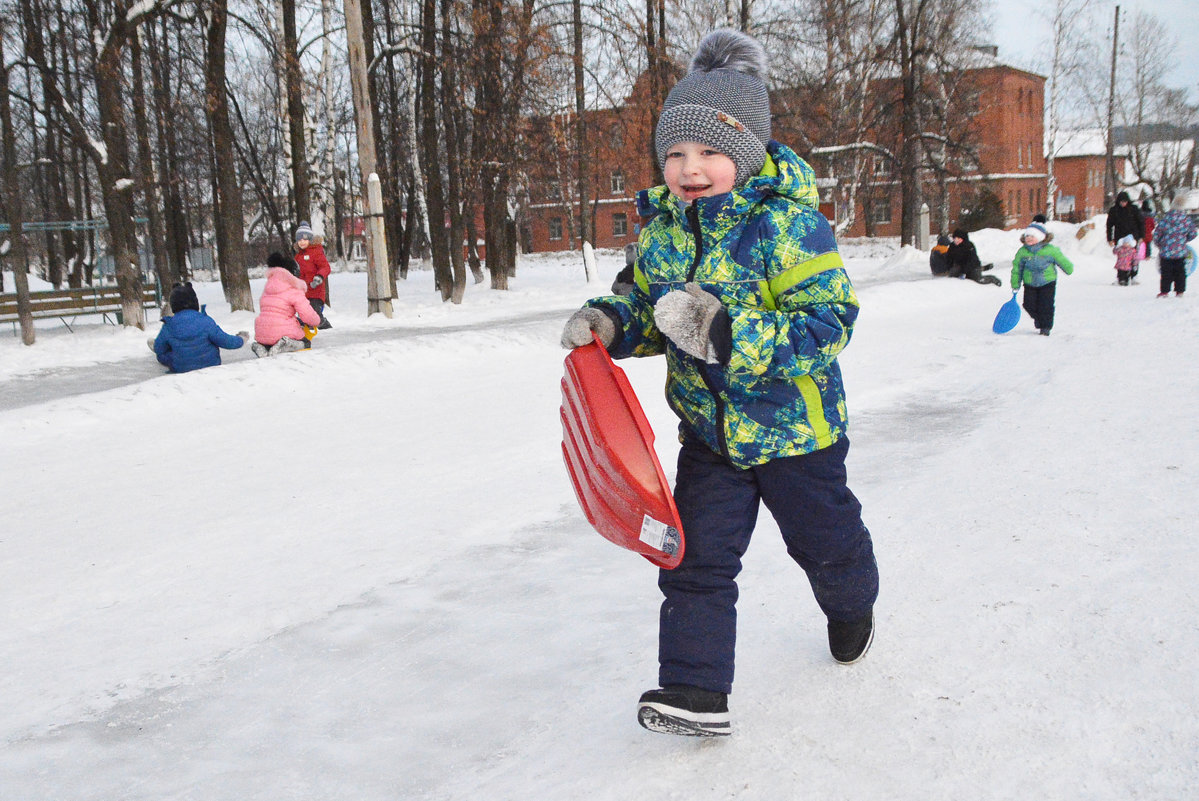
(739, 282)
(189, 338)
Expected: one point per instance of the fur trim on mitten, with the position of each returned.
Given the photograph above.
(686, 317)
(577, 331)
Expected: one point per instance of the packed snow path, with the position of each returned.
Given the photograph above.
(361, 573)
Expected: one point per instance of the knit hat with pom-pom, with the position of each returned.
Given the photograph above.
(722, 103)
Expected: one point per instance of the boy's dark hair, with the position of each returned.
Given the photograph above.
(184, 297)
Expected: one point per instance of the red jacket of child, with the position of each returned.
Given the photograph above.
(312, 263)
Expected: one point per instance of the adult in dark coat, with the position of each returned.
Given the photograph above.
(963, 260)
(1124, 219)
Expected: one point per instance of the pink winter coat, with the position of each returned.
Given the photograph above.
(282, 301)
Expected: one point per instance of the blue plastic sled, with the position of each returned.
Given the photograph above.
(1008, 317)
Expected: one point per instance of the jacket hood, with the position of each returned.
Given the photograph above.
(785, 174)
(280, 276)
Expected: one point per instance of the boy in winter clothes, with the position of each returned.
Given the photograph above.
(1035, 266)
(314, 271)
(189, 338)
(938, 257)
(740, 284)
(1173, 232)
(276, 329)
(963, 260)
(1126, 255)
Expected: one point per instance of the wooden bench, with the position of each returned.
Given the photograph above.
(72, 303)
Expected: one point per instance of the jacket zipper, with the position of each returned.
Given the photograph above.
(693, 222)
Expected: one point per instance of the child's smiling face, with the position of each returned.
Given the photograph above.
(693, 170)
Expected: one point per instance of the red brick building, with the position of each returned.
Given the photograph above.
(1079, 166)
(1005, 117)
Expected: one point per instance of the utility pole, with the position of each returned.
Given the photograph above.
(378, 287)
(1109, 178)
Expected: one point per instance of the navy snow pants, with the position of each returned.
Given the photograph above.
(1039, 303)
(821, 523)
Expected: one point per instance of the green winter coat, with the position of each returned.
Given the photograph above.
(1038, 265)
(770, 257)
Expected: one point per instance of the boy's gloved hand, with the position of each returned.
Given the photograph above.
(245, 337)
(577, 332)
(316, 281)
(686, 316)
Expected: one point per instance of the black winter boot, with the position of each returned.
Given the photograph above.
(683, 709)
(849, 641)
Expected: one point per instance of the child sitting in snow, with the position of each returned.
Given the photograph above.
(189, 338)
(739, 283)
(1126, 256)
(277, 329)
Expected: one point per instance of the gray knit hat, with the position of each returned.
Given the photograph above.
(722, 103)
(304, 231)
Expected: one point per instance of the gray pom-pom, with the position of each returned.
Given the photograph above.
(730, 50)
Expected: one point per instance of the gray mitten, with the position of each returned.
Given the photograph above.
(245, 337)
(577, 332)
(685, 316)
(316, 281)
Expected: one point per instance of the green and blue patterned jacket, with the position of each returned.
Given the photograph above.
(1037, 265)
(769, 255)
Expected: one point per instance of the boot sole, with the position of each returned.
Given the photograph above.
(670, 720)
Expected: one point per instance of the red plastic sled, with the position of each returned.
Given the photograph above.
(608, 446)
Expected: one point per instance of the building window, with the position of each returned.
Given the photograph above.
(620, 224)
(617, 181)
(882, 166)
(553, 192)
(880, 212)
(555, 227)
(616, 137)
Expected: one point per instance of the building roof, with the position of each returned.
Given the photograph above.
(1082, 142)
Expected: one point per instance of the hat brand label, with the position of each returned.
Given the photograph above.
(730, 121)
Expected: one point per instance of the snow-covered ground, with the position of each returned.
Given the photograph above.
(360, 572)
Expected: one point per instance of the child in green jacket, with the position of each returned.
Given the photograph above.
(739, 283)
(1035, 266)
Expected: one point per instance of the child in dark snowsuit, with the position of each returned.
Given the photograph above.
(963, 260)
(740, 284)
(189, 338)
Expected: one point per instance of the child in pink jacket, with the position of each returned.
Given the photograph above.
(1126, 259)
(276, 329)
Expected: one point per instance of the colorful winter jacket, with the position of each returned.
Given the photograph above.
(282, 301)
(769, 255)
(1126, 257)
(190, 339)
(312, 263)
(1037, 265)
(1173, 233)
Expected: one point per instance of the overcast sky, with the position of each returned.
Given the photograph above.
(1022, 29)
